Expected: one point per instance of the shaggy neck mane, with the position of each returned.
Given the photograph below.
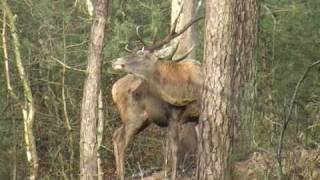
(167, 71)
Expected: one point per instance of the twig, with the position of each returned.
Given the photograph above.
(67, 66)
(286, 121)
(141, 174)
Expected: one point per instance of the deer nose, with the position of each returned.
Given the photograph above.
(118, 65)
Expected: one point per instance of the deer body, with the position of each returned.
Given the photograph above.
(177, 83)
(139, 108)
(166, 94)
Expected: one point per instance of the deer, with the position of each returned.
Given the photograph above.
(173, 87)
(175, 82)
(138, 108)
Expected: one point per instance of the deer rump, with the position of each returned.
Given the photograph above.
(138, 108)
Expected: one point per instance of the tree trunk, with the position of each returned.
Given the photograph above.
(230, 36)
(27, 104)
(100, 127)
(188, 39)
(89, 108)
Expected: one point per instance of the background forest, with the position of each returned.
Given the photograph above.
(56, 32)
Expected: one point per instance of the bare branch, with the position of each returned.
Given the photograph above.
(288, 117)
(66, 66)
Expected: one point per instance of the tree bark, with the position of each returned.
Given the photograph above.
(100, 128)
(89, 108)
(188, 39)
(230, 37)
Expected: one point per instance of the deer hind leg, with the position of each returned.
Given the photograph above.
(121, 138)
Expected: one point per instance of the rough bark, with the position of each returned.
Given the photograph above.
(188, 39)
(89, 108)
(230, 34)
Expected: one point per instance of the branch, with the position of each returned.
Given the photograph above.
(67, 66)
(286, 121)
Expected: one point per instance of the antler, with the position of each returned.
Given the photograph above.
(167, 53)
(185, 55)
(172, 34)
(139, 36)
(127, 49)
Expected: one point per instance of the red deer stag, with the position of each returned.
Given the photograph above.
(138, 108)
(170, 88)
(177, 83)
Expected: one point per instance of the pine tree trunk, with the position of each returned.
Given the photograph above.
(230, 36)
(89, 108)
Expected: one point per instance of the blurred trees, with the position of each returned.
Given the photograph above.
(54, 36)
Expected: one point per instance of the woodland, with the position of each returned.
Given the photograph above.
(46, 48)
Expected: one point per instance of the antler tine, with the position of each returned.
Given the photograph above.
(185, 55)
(127, 48)
(139, 36)
(170, 57)
(171, 52)
(174, 25)
(169, 37)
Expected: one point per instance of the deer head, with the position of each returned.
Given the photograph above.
(139, 63)
(143, 61)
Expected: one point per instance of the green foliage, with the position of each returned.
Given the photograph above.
(289, 43)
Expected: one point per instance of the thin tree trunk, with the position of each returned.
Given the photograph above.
(100, 135)
(186, 41)
(65, 110)
(227, 56)
(89, 108)
(27, 106)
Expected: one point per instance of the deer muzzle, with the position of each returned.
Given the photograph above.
(118, 64)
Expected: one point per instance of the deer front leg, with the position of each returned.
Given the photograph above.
(173, 142)
(119, 149)
(121, 139)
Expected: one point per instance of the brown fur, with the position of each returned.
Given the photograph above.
(176, 83)
(138, 108)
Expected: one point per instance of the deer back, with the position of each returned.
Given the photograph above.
(177, 83)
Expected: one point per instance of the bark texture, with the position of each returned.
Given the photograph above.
(230, 36)
(188, 39)
(89, 108)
